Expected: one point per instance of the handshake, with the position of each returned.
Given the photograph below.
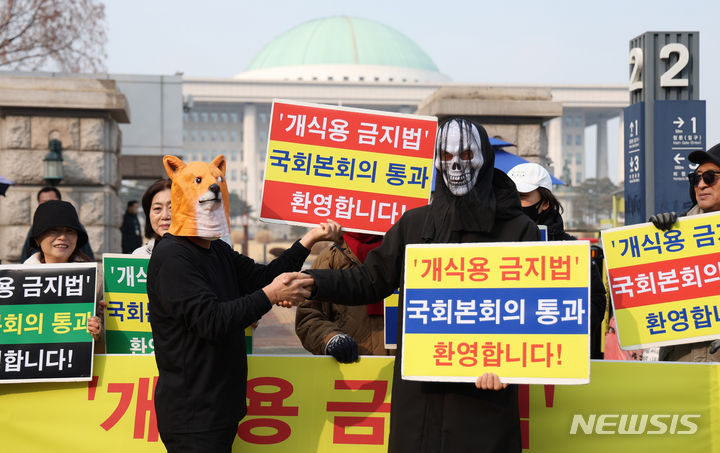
(289, 289)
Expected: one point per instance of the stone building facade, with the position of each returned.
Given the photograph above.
(83, 114)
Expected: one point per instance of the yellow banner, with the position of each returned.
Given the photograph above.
(315, 405)
(380, 168)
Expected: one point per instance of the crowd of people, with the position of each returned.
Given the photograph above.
(203, 294)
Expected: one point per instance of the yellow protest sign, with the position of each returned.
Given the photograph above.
(665, 285)
(520, 310)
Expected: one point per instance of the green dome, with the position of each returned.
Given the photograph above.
(342, 40)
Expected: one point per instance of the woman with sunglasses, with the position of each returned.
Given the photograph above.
(705, 194)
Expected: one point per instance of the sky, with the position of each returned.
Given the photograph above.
(475, 41)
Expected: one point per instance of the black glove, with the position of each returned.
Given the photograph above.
(714, 346)
(343, 348)
(663, 221)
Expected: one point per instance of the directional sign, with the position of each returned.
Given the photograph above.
(664, 86)
(679, 130)
(634, 163)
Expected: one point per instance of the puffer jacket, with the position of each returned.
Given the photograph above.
(317, 322)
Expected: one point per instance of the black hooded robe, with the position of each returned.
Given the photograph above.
(437, 417)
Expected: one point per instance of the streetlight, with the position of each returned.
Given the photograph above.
(53, 164)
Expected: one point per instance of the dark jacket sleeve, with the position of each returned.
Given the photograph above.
(184, 295)
(315, 322)
(371, 281)
(598, 299)
(261, 275)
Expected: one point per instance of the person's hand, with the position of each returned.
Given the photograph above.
(94, 327)
(490, 381)
(663, 221)
(289, 289)
(343, 348)
(100, 308)
(326, 231)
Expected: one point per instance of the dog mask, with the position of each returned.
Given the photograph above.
(199, 200)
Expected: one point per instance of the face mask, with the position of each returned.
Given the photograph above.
(458, 156)
(533, 211)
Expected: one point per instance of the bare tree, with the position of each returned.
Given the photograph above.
(66, 35)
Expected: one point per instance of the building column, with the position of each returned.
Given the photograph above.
(250, 157)
(601, 159)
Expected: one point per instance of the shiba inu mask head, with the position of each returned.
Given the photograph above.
(199, 198)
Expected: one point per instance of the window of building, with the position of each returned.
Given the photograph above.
(233, 136)
(233, 175)
(214, 117)
(203, 136)
(204, 117)
(568, 139)
(223, 136)
(578, 158)
(194, 136)
(194, 116)
(234, 117)
(186, 136)
(578, 139)
(568, 121)
(186, 117)
(578, 121)
(578, 178)
(214, 136)
(233, 156)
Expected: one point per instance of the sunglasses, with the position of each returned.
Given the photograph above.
(709, 177)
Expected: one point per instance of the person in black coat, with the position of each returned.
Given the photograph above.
(534, 185)
(131, 236)
(472, 202)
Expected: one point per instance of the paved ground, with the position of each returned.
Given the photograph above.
(276, 333)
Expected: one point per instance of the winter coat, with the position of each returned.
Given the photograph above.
(434, 417)
(598, 298)
(130, 229)
(317, 322)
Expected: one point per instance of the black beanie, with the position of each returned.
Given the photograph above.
(57, 213)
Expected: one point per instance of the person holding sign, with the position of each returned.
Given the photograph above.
(342, 331)
(202, 295)
(156, 206)
(705, 193)
(56, 231)
(472, 202)
(534, 186)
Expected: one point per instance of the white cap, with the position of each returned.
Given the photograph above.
(529, 176)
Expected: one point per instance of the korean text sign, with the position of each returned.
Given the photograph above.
(665, 285)
(127, 320)
(313, 404)
(44, 311)
(362, 168)
(519, 310)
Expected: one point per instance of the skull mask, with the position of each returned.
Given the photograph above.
(458, 155)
